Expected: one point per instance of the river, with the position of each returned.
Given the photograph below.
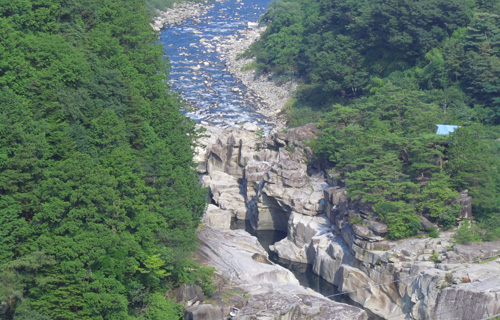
(199, 75)
(218, 97)
(197, 72)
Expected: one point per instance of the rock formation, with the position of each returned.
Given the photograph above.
(270, 291)
(269, 182)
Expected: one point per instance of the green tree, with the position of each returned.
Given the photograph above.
(99, 200)
(437, 201)
(473, 166)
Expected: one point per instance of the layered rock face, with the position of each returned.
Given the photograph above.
(265, 180)
(268, 291)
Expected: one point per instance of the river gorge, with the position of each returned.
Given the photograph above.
(261, 173)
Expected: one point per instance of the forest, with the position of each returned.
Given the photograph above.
(378, 76)
(99, 201)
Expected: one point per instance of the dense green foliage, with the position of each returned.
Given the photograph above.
(467, 233)
(393, 70)
(99, 201)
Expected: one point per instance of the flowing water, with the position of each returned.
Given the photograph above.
(200, 76)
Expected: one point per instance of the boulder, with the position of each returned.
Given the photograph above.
(426, 224)
(365, 291)
(204, 145)
(326, 256)
(188, 295)
(295, 136)
(257, 171)
(224, 158)
(465, 202)
(303, 228)
(226, 193)
(231, 251)
(285, 303)
(364, 233)
(301, 231)
(477, 251)
(251, 126)
(205, 312)
(219, 182)
(216, 217)
(378, 228)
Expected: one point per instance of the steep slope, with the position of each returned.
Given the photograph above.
(98, 200)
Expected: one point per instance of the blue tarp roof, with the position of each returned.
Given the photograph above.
(445, 129)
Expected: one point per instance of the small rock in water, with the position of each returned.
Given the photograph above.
(251, 126)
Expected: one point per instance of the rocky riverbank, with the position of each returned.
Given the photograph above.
(273, 95)
(179, 13)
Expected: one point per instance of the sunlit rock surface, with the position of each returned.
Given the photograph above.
(416, 278)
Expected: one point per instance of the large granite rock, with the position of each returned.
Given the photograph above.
(188, 295)
(216, 217)
(301, 230)
(257, 179)
(462, 292)
(265, 181)
(226, 193)
(295, 306)
(206, 311)
(238, 256)
(272, 291)
(326, 256)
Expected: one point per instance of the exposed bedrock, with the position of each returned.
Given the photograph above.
(270, 291)
(249, 280)
(267, 181)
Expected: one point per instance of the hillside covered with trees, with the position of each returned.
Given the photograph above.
(378, 76)
(98, 198)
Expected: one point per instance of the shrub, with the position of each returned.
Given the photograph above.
(466, 233)
(435, 256)
(433, 232)
(192, 273)
(400, 217)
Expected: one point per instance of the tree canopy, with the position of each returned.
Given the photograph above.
(99, 201)
(378, 76)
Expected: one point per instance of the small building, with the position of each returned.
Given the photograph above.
(445, 129)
